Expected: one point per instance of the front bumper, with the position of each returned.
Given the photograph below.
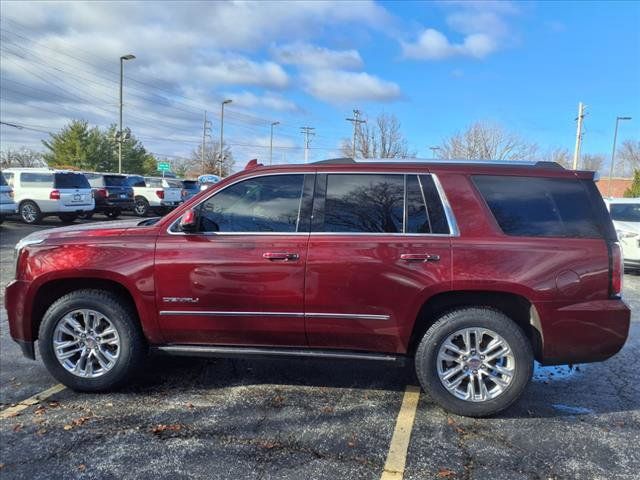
(582, 332)
(18, 306)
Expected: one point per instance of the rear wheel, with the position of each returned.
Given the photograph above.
(86, 215)
(90, 340)
(474, 362)
(141, 207)
(30, 212)
(115, 213)
(68, 217)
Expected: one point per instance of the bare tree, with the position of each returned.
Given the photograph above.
(25, 157)
(628, 157)
(591, 162)
(560, 156)
(487, 141)
(194, 166)
(380, 139)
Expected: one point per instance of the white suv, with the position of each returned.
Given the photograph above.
(625, 213)
(40, 192)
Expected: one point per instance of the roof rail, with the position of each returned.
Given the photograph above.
(336, 160)
(505, 163)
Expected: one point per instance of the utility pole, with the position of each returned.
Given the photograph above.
(308, 133)
(613, 152)
(206, 130)
(356, 128)
(225, 102)
(119, 135)
(273, 124)
(433, 152)
(576, 152)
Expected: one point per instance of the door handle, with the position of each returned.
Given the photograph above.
(419, 257)
(286, 256)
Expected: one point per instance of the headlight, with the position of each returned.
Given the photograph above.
(626, 234)
(25, 242)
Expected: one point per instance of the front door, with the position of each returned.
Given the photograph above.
(240, 279)
(375, 253)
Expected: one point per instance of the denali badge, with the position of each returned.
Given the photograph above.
(180, 300)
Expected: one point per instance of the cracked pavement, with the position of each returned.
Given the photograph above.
(293, 419)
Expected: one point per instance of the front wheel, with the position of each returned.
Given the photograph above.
(30, 212)
(474, 362)
(90, 340)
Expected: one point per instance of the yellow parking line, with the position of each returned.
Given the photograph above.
(397, 456)
(37, 398)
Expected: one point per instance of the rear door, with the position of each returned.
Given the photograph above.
(74, 189)
(117, 189)
(379, 245)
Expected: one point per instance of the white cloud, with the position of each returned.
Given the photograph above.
(238, 70)
(312, 56)
(342, 87)
(433, 45)
(270, 101)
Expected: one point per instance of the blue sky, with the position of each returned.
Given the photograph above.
(438, 66)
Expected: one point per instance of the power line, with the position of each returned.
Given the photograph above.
(356, 127)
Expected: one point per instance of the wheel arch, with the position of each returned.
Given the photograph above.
(518, 308)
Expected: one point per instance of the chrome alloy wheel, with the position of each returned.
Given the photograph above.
(475, 364)
(86, 343)
(29, 213)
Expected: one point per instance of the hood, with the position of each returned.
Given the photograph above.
(97, 229)
(627, 226)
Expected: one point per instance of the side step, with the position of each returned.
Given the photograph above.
(262, 352)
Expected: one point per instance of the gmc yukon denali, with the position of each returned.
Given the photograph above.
(470, 269)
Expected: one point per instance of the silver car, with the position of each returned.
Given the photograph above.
(7, 205)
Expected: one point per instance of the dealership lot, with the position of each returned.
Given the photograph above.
(311, 419)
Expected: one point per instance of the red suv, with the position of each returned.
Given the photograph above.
(473, 269)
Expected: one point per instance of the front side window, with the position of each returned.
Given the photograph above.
(262, 204)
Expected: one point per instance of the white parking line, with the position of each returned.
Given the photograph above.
(37, 398)
(397, 456)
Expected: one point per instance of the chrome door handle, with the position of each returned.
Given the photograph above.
(286, 256)
(419, 257)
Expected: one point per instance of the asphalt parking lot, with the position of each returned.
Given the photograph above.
(293, 419)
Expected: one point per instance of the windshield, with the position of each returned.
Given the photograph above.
(115, 180)
(625, 212)
(70, 180)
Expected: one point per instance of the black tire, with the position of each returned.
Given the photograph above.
(30, 212)
(115, 213)
(141, 207)
(68, 217)
(87, 215)
(448, 324)
(133, 347)
(160, 211)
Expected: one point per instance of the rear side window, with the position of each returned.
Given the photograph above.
(136, 182)
(115, 181)
(539, 207)
(625, 212)
(33, 179)
(70, 180)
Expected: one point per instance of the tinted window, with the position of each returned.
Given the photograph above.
(417, 215)
(136, 182)
(625, 212)
(8, 176)
(115, 180)
(3, 182)
(437, 215)
(70, 180)
(33, 179)
(368, 203)
(539, 207)
(262, 204)
(190, 185)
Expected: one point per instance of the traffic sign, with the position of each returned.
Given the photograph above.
(164, 166)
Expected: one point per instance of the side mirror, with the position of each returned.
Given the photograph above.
(189, 221)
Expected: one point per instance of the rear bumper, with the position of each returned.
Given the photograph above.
(87, 207)
(112, 205)
(582, 332)
(631, 263)
(18, 305)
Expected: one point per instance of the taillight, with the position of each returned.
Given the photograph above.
(184, 193)
(102, 192)
(160, 194)
(617, 269)
(54, 195)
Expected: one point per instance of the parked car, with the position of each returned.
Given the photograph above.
(7, 205)
(471, 270)
(189, 189)
(156, 194)
(111, 193)
(207, 180)
(625, 213)
(41, 192)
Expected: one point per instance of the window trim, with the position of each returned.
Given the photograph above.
(451, 220)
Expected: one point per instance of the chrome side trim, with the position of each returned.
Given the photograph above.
(353, 316)
(212, 313)
(223, 351)
(205, 313)
(451, 219)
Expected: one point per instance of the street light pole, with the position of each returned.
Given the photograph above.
(273, 124)
(613, 152)
(222, 134)
(433, 152)
(119, 136)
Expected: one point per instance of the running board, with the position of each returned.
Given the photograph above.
(261, 352)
